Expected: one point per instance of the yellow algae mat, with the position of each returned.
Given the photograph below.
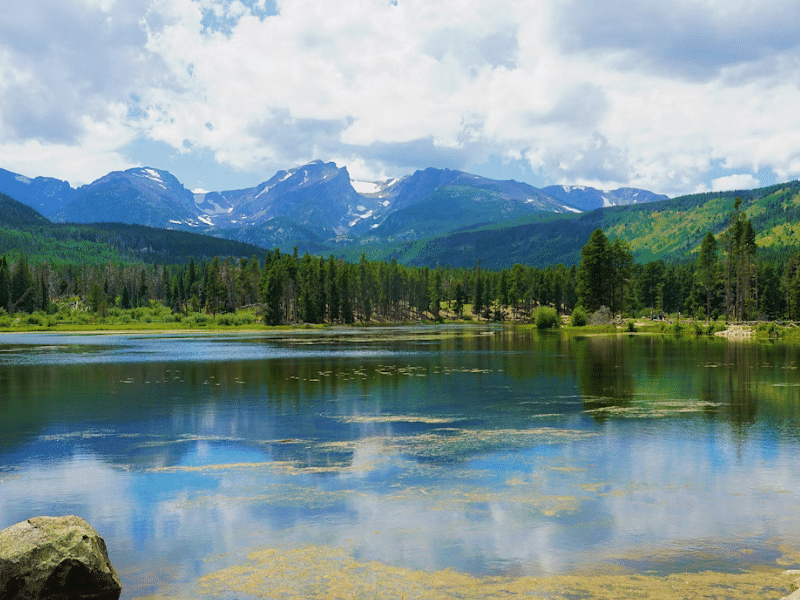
(323, 573)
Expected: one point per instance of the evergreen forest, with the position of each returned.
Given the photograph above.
(725, 280)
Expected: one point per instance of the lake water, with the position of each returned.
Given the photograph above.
(282, 465)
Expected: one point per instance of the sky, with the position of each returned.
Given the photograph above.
(674, 97)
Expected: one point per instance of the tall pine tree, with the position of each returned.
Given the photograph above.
(594, 273)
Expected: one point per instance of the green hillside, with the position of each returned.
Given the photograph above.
(671, 230)
(15, 214)
(23, 230)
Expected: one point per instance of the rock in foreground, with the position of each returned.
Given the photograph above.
(55, 558)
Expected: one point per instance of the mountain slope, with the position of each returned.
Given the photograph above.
(45, 194)
(22, 229)
(319, 203)
(14, 214)
(668, 229)
(141, 196)
(317, 196)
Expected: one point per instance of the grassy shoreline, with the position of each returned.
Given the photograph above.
(69, 317)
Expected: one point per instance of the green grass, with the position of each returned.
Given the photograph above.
(70, 315)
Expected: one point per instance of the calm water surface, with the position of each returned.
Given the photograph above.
(482, 451)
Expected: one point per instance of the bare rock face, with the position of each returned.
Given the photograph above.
(55, 558)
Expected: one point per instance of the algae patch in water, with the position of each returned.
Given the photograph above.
(653, 409)
(319, 572)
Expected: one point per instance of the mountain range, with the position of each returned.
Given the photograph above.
(433, 216)
(315, 206)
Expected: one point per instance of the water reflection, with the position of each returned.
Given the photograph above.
(606, 380)
(487, 452)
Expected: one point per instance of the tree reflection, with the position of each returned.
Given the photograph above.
(603, 374)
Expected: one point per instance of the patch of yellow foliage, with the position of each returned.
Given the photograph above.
(323, 573)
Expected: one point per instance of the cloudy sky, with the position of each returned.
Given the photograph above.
(674, 97)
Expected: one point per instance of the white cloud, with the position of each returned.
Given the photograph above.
(604, 93)
(734, 182)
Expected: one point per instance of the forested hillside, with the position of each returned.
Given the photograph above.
(23, 230)
(670, 230)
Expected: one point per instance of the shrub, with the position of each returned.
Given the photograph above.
(579, 317)
(631, 326)
(34, 319)
(546, 317)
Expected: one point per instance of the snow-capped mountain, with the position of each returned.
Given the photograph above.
(319, 196)
(588, 198)
(314, 203)
(142, 196)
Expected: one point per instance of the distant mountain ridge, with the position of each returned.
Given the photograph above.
(311, 206)
(587, 198)
(45, 194)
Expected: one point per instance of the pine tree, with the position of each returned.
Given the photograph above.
(126, 297)
(271, 294)
(5, 284)
(707, 268)
(620, 272)
(594, 272)
(23, 292)
(332, 287)
(478, 299)
(436, 293)
(345, 304)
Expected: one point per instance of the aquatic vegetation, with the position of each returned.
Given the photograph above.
(320, 572)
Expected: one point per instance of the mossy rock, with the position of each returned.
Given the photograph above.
(55, 558)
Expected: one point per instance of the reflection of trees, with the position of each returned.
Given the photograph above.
(545, 353)
(603, 372)
(741, 389)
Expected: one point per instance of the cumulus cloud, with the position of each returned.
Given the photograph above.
(734, 182)
(639, 93)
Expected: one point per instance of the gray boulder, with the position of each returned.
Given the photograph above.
(55, 558)
(603, 316)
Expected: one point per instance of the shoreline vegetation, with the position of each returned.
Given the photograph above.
(72, 317)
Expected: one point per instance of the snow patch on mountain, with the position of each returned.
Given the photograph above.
(152, 175)
(365, 187)
(23, 179)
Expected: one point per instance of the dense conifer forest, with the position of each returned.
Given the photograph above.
(726, 280)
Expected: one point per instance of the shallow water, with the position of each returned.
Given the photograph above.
(464, 451)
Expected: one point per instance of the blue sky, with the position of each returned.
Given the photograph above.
(675, 97)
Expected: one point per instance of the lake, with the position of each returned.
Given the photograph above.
(423, 462)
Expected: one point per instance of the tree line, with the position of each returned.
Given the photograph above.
(725, 280)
